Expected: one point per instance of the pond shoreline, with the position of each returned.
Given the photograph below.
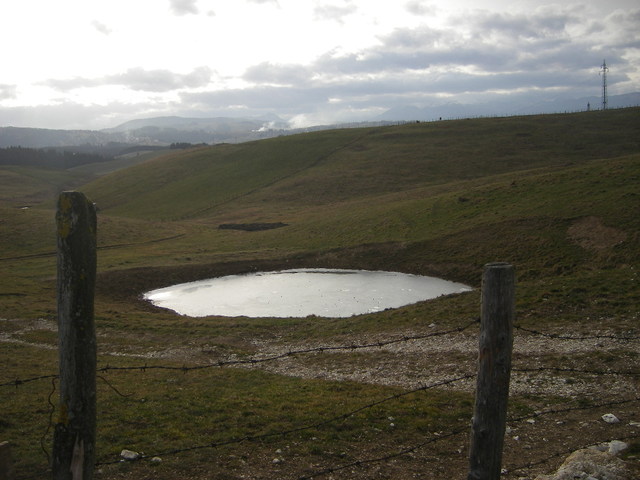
(299, 293)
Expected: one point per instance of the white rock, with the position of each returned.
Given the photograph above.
(616, 446)
(156, 460)
(590, 463)
(610, 418)
(129, 454)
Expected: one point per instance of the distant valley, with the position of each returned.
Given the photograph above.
(160, 132)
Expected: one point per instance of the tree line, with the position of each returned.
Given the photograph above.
(48, 158)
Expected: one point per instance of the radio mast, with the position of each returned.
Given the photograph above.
(603, 70)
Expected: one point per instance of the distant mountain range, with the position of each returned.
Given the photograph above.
(159, 131)
(164, 131)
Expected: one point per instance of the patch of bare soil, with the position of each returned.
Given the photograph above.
(591, 234)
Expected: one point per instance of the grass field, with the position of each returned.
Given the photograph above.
(556, 195)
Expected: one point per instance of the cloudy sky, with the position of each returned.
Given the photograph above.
(98, 63)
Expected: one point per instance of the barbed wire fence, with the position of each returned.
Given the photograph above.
(521, 468)
(353, 347)
(257, 360)
(100, 373)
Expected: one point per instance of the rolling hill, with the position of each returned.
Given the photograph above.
(555, 195)
(339, 165)
(158, 131)
(409, 184)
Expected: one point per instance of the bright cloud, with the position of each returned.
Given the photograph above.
(184, 7)
(101, 63)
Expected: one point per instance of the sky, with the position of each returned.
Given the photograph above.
(92, 64)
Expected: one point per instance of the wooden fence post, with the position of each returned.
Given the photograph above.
(7, 472)
(494, 371)
(75, 431)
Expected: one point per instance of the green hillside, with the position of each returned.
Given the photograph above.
(456, 194)
(405, 184)
(448, 192)
(332, 166)
(556, 195)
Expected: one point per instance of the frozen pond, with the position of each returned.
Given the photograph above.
(301, 292)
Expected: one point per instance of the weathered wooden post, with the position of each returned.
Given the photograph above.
(7, 472)
(494, 371)
(75, 431)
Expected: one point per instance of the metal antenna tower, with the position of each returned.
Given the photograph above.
(603, 70)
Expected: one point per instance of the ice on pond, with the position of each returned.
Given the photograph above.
(300, 293)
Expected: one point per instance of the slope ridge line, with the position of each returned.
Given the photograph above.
(314, 164)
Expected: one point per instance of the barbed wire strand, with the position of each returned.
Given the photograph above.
(321, 349)
(52, 409)
(250, 438)
(359, 463)
(337, 418)
(571, 409)
(574, 370)
(18, 382)
(114, 388)
(625, 338)
(253, 361)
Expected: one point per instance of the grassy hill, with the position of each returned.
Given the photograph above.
(556, 195)
(407, 184)
(327, 167)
